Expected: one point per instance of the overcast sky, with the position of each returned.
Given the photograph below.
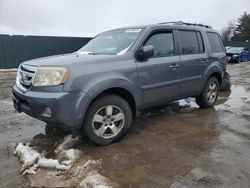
(89, 17)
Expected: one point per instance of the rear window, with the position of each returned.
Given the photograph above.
(191, 42)
(215, 42)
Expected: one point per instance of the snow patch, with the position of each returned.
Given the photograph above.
(9, 70)
(91, 163)
(27, 155)
(52, 163)
(31, 170)
(95, 180)
(67, 143)
(83, 174)
(32, 159)
(71, 154)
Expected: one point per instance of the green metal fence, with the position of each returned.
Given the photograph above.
(16, 49)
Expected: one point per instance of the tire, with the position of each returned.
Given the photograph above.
(235, 60)
(107, 120)
(209, 94)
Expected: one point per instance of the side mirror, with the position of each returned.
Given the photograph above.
(146, 52)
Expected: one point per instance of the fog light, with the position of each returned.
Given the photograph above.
(47, 112)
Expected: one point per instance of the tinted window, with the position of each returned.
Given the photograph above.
(163, 44)
(215, 42)
(190, 43)
(200, 41)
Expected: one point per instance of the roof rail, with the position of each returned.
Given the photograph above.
(188, 24)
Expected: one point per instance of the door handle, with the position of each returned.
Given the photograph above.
(173, 66)
(204, 62)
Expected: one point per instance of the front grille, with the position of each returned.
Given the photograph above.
(26, 75)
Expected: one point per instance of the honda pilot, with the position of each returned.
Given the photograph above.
(99, 89)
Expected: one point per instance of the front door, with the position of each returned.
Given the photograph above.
(159, 76)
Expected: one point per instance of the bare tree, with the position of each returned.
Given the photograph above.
(228, 31)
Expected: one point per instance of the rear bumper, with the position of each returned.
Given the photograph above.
(226, 82)
(65, 109)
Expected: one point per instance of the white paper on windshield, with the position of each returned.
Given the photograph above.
(133, 31)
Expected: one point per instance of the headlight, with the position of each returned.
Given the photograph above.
(50, 76)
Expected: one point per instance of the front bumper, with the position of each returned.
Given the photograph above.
(65, 109)
(233, 58)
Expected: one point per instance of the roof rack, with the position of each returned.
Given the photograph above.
(188, 24)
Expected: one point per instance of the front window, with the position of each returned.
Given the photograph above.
(163, 43)
(111, 42)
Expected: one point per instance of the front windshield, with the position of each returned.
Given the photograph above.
(235, 50)
(111, 42)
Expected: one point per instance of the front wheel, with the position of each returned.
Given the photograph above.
(209, 94)
(107, 120)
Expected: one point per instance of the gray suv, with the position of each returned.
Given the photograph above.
(99, 89)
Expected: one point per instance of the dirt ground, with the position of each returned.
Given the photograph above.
(174, 145)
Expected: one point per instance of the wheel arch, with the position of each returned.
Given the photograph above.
(121, 92)
(217, 75)
(213, 72)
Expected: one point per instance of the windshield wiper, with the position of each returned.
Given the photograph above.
(86, 52)
(93, 53)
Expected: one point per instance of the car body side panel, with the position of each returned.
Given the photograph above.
(192, 67)
(216, 61)
(93, 79)
(158, 81)
(213, 67)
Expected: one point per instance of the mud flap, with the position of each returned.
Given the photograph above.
(226, 82)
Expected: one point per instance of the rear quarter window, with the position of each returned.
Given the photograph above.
(215, 42)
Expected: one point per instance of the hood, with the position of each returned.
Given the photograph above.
(67, 60)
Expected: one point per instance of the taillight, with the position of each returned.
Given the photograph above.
(226, 60)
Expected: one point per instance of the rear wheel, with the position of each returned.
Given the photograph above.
(108, 120)
(209, 94)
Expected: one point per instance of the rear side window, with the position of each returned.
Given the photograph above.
(163, 44)
(201, 44)
(191, 42)
(215, 42)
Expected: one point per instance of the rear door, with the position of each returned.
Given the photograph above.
(218, 53)
(159, 76)
(194, 61)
